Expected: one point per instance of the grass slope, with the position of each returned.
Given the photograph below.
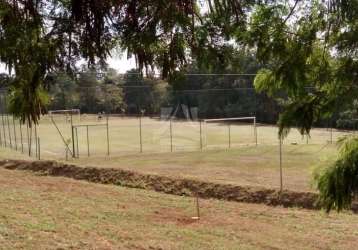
(39, 212)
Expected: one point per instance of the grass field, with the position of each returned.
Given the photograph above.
(125, 135)
(39, 212)
(242, 164)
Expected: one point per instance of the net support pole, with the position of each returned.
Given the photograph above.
(140, 134)
(171, 135)
(201, 138)
(280, 152)
(14, 127)
(107, 128)
(88, 149)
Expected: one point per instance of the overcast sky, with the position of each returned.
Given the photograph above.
(121, 64)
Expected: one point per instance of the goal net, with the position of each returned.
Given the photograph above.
(66, 114)
(228, 132)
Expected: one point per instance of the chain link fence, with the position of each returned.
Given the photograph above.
(198, 112)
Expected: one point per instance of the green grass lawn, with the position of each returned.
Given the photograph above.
(39, 212)
(249, 166)
(242, 164)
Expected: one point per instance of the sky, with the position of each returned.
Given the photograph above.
(121, 64)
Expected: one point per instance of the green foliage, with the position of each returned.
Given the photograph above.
(338, 183)
(23, 103)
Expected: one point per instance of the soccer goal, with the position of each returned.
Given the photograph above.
(226, 130)
(66, 114)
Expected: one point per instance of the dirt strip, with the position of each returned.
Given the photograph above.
(168, 185)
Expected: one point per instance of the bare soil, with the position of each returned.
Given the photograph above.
(169, 185)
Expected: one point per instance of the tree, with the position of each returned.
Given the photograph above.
(37, 37)
(62, 91)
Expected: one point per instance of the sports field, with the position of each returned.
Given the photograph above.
(131, 134)
(210, 157)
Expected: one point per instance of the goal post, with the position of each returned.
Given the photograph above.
(235, 119)
(65, 112)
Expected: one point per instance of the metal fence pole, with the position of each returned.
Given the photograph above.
(140, 134)
(229, 128)
(73, 138)
(255, 130)
(36, 146)
(201, 139)
(21, 140)
(39, 148)
(107, 127)
(3, 122)
(171, 135)
(88, 150)
(1, 142)
(8, 129)
(77, 148)
(15, 137)
(28, 138)
(280, 149)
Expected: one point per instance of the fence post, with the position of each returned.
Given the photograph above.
(229, 128)
(201, 139)
(140, 134)
(38, 148)
(3, 123)
(255, 130)
(73, 137)
(107, 134)
(8, 129)
(21, 140)
(15, 138)
(171, 135)
(28, 138)
(1, 143)
(77, 148)
(88, 150)
(280, 149)
(36, 141)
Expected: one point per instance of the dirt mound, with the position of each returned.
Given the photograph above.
(168, 185)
